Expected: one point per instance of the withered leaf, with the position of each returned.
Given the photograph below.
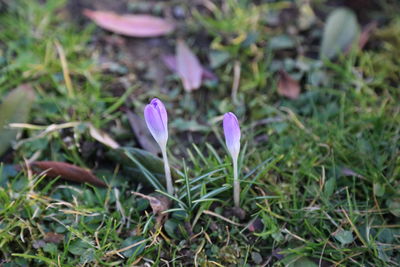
(287, 86)
(158, 203)
(189, 68)
(172, 65)
(66, 171)
(130, 25)
(102, 137)
(55, 238)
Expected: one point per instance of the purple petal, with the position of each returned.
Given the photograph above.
(159, 106)
(156, 119)
(232, 133)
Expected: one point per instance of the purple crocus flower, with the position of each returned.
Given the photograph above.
(232, 138)
(232, 134)
(156, 118)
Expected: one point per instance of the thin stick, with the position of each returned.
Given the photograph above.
(64, 66)
(208, 212)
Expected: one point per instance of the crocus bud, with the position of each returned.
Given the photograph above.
(156, 118)
(232, 134)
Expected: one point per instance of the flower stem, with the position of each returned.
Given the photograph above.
(168, 179)
(236, 184)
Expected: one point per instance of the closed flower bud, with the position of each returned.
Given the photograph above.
(232, 134)
(156, 118)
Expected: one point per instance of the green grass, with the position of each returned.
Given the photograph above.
(320, 172)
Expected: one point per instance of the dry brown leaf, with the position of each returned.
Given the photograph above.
(158, 203)
(188, 67)
(102, 137)
(287, 86)
(130, 25)
(51, 237)
(66, 171)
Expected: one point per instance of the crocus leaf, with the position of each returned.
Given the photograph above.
(14, 108)
(51, 237)
(66, 171)
(152, 163)
(130, 25)
(172, 65)
(287, 86)
(188, 67)
(341, 30)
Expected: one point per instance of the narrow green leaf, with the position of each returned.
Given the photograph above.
(151, 179)
(141, 165)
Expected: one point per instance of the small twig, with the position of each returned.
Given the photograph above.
(208, 212)
(294, 235)
(64, 66)
(113, 252)
(355, 229)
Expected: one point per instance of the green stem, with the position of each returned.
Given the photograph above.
(168, 179)
(236, 184)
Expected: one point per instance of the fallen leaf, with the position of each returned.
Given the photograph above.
(142, 134)
(171, 63)
(189, 68)
(51, 237)
(158, 203)
(341, 30)
(287, 86)
(366, 34)
(15, 108)
(102, 137)
(130, 25)
(66, 171)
